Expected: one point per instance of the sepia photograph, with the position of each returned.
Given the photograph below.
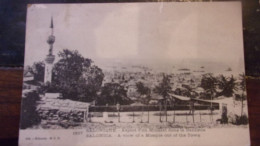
(161, 73)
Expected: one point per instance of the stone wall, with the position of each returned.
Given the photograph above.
(63, 118)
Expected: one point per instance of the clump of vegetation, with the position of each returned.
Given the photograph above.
(240, 120)
(112, 94)
(209, 84)
(144, 91)
(227, 86)
(75, 77)
(220, 86)
(29, 114)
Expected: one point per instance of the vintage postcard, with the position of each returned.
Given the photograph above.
(134, 74)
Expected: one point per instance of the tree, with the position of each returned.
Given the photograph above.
(143, 91)
(227, 85)
(37, 69)
(209, 84)
(113, 93)
(243, 119)
(242, 86)
(75, 77)
(163, 89)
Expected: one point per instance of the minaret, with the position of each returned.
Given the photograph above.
(50, 57)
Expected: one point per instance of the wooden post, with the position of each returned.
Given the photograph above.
(242, 106)
(84, 116)
(89, 117)
(166, 109)
(210, 115)
(211, 107)
(212, 118)
(186, 117)
(148, 114)
(193, 117)
(142, 114)
(118, 108)
(118, 116)
(200, 117)
(193, 112)
(133, 117)
(160, 112)
(174, 115)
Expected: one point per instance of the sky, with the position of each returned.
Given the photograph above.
(139, 32)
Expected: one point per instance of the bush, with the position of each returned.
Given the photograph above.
(29, 115)
(240, 120)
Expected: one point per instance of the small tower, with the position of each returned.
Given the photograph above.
(50, 57)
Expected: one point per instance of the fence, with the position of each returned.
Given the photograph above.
(129, 108)
(153, 113)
